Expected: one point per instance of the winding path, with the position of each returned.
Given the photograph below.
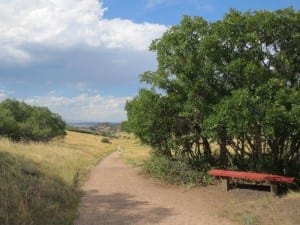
(117, 194)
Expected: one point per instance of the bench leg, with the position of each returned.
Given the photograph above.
(274, 188)
(228, 184)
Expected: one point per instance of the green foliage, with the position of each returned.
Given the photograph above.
(30, 197)
(267, 122)
(174, 171)
(150, 119)
(105, 140)
(19, 120)
(234, 82)
(125, 127)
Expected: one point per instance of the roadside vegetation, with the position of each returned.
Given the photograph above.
(39, 181)
(175, 171)
(233, 83)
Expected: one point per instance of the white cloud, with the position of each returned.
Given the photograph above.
(3, 95)
(11, 53)
(84, 107)
(66, 24)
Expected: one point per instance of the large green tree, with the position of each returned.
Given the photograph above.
(234, 82)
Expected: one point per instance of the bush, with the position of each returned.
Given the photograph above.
(105, 140)
(174, 171)
(20, 121)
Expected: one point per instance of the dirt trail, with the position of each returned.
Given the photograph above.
(117, 194)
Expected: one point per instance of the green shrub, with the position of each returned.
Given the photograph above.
(20, 121)
(174, 171)
(105, 140)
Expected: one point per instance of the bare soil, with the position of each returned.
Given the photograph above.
(118, 194)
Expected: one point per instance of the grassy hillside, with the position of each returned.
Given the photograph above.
(38, 181)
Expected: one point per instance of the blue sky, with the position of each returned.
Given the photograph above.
(82, 58)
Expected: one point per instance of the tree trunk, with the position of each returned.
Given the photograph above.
(207, 150)
(257, 146)
(223, 149)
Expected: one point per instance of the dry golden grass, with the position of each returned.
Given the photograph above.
(268, 210)
(132, 151)
(67, 158)
(72, 157)
(38, 180)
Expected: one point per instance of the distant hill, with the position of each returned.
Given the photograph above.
(106, 128)
(101, 128)
(82, 124)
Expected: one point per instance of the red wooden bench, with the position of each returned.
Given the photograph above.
(270, 179)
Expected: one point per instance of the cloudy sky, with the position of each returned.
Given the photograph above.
(82, 58)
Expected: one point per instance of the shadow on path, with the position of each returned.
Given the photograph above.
(119, 208)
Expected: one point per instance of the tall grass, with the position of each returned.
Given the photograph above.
(38, 181)
(132, 151)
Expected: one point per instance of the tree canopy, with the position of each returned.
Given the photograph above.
(20, 121)
(226, 93)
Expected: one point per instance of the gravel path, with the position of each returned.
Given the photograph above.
(117, 194)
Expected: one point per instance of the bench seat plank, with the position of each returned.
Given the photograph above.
(251, 176)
